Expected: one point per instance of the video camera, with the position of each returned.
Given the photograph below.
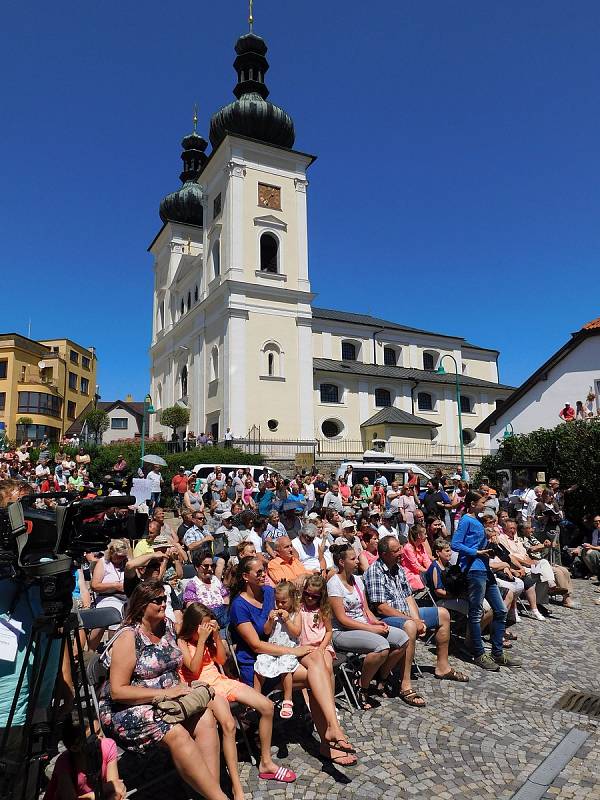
(44, 535)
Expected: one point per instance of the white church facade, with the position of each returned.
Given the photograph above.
(236, 337)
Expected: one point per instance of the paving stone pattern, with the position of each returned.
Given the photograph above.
(484, 737)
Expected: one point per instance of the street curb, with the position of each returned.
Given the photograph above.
(542, 777)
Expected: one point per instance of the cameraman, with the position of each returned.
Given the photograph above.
(20, 606)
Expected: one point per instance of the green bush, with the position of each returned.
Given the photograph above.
(569, 452)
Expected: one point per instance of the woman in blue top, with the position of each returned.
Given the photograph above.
(250, 607)
(471, 544)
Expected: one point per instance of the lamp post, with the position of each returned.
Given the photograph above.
(441, 371)
(148, 409)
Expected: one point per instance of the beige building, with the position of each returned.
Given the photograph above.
(47, 382)
(236, 337)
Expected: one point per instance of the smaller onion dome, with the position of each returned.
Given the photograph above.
(252, 114)
(185, 205)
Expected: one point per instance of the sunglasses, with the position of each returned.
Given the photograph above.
(206, 566)
(311, 595)
(159, 600)
(259, 573)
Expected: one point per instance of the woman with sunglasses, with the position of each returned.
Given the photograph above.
(145, 664)
(192, 500)
(250, 607)
(207, 589)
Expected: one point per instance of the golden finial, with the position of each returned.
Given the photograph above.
(251, 17)
(195, 117)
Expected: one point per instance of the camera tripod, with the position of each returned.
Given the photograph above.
(34, 752)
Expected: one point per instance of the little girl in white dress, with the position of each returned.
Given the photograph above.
(283, 628)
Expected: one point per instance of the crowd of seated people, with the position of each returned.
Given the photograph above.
(287, 573)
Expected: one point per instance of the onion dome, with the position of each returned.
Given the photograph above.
(185, 205)
(252, 114)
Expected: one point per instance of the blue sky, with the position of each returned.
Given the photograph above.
(457, 186)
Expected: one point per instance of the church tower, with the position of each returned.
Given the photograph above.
(232, 335)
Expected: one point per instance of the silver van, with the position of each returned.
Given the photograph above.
(392, 470)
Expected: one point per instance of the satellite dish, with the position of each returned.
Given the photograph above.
(42, 365)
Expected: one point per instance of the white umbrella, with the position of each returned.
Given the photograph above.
(150, 459)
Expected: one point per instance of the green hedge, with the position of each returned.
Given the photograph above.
(569, 452)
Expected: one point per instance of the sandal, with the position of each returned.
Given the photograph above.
(343, 745)
(287, 709)
(411, 698)
(510, 636)
(283, 775)
(340, 761)
(453, 675)
(363, 699)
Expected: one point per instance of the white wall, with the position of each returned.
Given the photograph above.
(111, 435)
(568, 381)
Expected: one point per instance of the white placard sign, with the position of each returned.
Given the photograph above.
(141, 490)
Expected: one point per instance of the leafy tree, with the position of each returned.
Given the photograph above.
(97, 422)
(569, 452)
(174, 417)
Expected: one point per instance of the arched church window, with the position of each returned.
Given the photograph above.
(182, 307)
(272, 360)
(189, 301)
(214, 364)
(196, 295)
(269, 253)
(184, 381)
(216, 258)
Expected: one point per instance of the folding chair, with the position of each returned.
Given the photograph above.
(237, 709)
(347, 668)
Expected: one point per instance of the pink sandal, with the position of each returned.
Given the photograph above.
(287, 709)
(283, 775)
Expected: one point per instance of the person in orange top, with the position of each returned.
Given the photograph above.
(286, 566)
(203, 652)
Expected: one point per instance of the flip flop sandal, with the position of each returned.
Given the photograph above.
(510, 636)
(287, 709)
(340, 761)
(283, 775)
(410, 697)
(453, 675)
(343, 745)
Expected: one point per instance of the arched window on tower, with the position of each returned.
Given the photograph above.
(182, 307)
(271, 360)
(216, 258)
(189, 301)
(184, 381)
(196, 295)
(390, 357)
(214, 364)
(425, 401)
(269, 253)
(430, 359)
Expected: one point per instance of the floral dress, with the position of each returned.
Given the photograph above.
(272, 666)
(157, 667)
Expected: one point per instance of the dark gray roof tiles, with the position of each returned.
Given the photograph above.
(395, 416)
(400, 373)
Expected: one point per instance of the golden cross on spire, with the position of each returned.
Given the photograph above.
(251, 16)
(195, 117)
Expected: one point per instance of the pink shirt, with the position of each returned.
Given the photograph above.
(63, 766)
(413, 558)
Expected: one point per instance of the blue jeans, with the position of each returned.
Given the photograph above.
(483, 585)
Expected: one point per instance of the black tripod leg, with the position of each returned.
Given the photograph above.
(80, 682)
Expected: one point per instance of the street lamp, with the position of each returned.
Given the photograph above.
(148, 409)
(441, 371)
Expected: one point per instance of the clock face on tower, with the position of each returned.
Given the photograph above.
(269, 196)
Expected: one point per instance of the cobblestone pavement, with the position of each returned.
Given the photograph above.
(486, 736)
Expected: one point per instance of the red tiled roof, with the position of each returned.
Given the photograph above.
(592, 325)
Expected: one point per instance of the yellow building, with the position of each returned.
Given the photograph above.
(49, 382)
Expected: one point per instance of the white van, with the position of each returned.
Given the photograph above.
(203, 470)
(392, 470)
